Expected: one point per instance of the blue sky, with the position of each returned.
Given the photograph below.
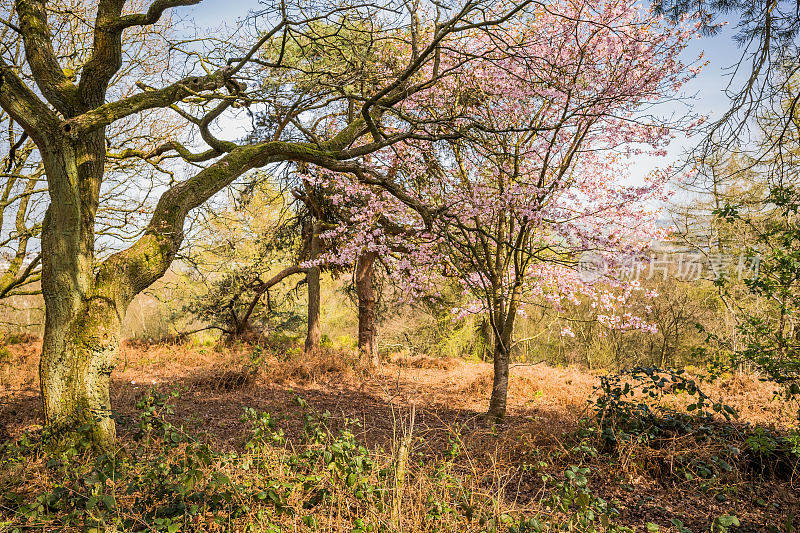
(706, 92)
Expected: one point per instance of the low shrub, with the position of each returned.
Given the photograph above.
(659, 420)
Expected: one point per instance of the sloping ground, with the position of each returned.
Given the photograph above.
(448, 397)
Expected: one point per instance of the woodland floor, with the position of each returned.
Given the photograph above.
(545, 406)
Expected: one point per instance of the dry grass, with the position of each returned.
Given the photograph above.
(309, 370)
(425, 361)
(449, 396)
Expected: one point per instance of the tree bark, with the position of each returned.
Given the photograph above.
(78, 355)
(367, 329)
(502, 353)
(314, 334)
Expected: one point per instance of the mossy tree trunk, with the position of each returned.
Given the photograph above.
(82, 320)
(78, 356)
(367, 328)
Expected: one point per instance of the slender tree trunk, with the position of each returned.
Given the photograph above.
(314, 334)
(367, 329)
(502, 354)
(486, 336)
(497, 404)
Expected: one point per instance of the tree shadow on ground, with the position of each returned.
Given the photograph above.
(377, 413)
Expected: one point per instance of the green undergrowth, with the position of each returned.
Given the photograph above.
(659, 423)
(165, 479)
(674, 428)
